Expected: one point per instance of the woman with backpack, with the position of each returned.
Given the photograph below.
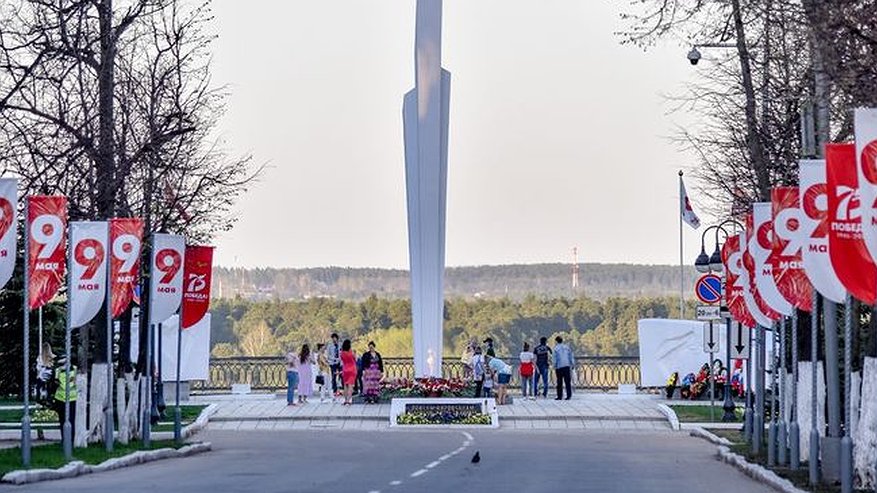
(527, 369)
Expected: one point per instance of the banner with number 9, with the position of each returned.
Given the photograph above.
(88, 271)
(46, 223)
(8, 227)
(166, 281)
(126, 237)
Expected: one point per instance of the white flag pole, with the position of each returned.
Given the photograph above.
(681, 261)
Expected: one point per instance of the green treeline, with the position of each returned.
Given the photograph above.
(267, 328)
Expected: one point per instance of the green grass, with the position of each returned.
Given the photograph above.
(51, 455)
(701, 414)
(10, 418)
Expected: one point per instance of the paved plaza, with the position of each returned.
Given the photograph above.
(584, 410)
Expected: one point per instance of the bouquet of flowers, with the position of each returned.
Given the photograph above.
(426, 387)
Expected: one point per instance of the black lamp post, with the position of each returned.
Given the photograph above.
(713, 263)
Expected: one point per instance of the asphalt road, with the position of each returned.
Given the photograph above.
(340, 461)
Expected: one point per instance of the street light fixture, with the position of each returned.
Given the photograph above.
(714, 263)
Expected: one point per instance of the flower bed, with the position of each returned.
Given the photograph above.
(445, 418)
(426, 387)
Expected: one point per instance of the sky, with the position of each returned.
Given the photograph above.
(559, 135)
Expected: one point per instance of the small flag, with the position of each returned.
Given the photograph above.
(685, 209)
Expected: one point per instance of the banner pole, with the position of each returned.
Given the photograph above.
(108, 411)
(846, 443)
(794, 430)
(40, 328)
(25, 296)
(178, 432)
(67, 427)
(782, 434)
(147, 407)
(814, 357)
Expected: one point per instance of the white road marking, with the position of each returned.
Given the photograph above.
(432, 464)
(468, 436)
(395, 483)
(374, 491)
(418, 473)
(445, 457)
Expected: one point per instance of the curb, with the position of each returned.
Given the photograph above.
(201, 422)
(710, 437)
(756, 472)
(79, 468)
(671, 416)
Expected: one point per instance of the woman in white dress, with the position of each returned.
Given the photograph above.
(305, 374)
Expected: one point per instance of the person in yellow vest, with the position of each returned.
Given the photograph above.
(60, 390)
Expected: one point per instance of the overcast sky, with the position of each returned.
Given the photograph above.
(558, 134)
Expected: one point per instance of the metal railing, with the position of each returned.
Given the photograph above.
(268, 374)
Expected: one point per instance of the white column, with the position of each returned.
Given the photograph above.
(425, 114)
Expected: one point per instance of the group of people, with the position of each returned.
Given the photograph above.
(333, 368)
(487, 371)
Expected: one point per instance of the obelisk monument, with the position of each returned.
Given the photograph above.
(425, 116)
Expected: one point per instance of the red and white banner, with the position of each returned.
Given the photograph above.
(760, 311)
(126, 238)
(814, 230)
(788, 241)
(46, 223)
(197, 276)
(849, 257)
(866, 155)
(88, 281)
(760, 248)
(8, 227)
(166, 286)
(732, 259)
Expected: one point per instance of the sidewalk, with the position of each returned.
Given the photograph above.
(583, 411)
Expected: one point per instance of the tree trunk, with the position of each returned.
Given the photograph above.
(753, 141)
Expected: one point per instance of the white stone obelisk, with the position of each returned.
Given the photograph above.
(425, 115)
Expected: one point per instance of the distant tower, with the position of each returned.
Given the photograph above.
(575, 268)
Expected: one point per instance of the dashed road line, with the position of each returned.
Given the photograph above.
(469, 440)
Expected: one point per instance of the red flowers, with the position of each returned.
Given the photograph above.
(425, 387)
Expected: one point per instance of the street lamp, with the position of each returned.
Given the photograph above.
(713, 263)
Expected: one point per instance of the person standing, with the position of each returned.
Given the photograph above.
(291, 377)
(478, 371)
(489, 351)
(542, 353)
(563, 365)
(324, 372)
(527, 370)
(305, 374)
(45, 364)
(372, 373)
(348, 371)
(62, 379)
(333, 354)
(503, 373)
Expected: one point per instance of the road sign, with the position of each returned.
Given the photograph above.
(708, 289)
(709, 312)
(739, 341)
(710, 337)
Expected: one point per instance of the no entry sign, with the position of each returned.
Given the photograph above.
(708, 289)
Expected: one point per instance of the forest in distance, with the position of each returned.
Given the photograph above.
(593, 327)
(515, 281)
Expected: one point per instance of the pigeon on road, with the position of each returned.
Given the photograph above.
(476, 458)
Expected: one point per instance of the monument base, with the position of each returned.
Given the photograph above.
(456, 411)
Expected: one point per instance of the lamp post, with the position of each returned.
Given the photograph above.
(713, 263)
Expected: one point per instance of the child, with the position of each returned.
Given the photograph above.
(488, 383)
